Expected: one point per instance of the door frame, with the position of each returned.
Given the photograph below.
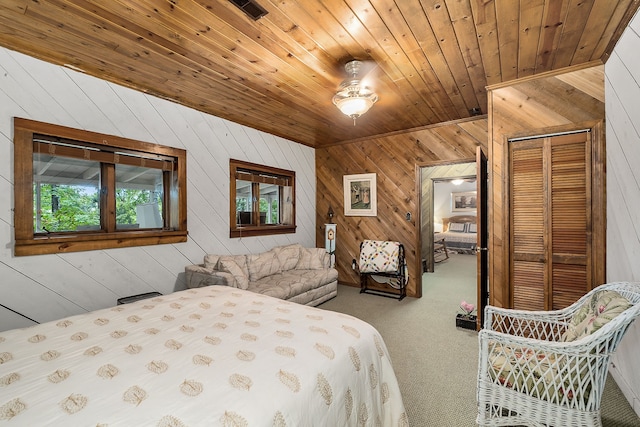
(482, 258)
(482, 246)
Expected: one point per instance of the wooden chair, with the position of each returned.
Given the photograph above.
(380, 259)
(540, 368)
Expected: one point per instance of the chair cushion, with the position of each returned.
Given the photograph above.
(539, 374)
(596, 312)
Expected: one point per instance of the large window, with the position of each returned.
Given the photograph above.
(77, 190)
(262, 200)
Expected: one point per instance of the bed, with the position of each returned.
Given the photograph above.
(208, 356)
(460, 233)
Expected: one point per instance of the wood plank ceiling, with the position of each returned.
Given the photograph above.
(429, 60)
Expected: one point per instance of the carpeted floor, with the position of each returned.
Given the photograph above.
(435, 362)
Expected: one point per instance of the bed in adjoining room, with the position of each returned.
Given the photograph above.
(208, 356)
(460, 233)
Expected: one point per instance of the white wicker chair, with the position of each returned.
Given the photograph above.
(547, 381)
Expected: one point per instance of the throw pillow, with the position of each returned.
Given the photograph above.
(311, 259)
(211, 261)
(288, 256)
(457, 227)
(262, 265)
(236, 265)
(596, 312)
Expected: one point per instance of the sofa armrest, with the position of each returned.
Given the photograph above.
(199, 275)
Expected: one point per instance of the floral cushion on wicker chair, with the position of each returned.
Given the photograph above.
(543, 374)
(596, 312)
(529, 371)
(558, 379)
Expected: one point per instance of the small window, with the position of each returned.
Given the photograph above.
(77, 190)
(262, 200)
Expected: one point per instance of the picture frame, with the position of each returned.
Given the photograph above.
(464, 201)
(360, 195)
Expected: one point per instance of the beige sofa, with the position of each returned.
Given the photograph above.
(291, 272)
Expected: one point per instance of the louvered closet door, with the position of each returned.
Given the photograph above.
(550, 194)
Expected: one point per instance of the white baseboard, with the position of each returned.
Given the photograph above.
(626, 389)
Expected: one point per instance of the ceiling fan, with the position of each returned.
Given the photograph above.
(354, 98)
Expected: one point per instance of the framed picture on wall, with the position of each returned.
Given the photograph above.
(464, 201)
(360, 195)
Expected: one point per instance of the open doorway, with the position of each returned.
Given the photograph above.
(448, 225)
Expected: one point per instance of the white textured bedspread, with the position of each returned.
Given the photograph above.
(212, 356)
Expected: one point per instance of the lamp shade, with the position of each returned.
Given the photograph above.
(354, 106)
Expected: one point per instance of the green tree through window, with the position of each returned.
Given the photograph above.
(65, 207)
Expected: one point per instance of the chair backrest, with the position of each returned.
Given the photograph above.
(606, 338)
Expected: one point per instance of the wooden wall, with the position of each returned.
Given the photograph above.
(532, 106)
(622, 88)
(395, 159)
(48, 287)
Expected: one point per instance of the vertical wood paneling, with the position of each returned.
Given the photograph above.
(48, 287)
(396, 159)
(622, 87)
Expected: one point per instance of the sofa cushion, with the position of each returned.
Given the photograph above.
(236, 265)
(311, 259)
(211, 261)
(288, 256)
(287, 284)
(261, 265)
(596, 312)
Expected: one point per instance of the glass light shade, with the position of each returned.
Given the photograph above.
(354, 106)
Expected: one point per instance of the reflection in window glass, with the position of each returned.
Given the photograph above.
(139, 195)
(65, 194)
(244, 205)
(269, 204)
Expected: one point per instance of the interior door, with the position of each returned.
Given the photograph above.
(482, 235)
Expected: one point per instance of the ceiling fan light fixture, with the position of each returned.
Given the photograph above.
(353, 99)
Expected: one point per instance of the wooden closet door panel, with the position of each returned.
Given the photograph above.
(529, 285)
(528, 255)
(568, 284)
(570, 228)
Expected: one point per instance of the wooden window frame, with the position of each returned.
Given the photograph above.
(241, 168)
(28, 242)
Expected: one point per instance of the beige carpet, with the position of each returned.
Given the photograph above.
(435, 362)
